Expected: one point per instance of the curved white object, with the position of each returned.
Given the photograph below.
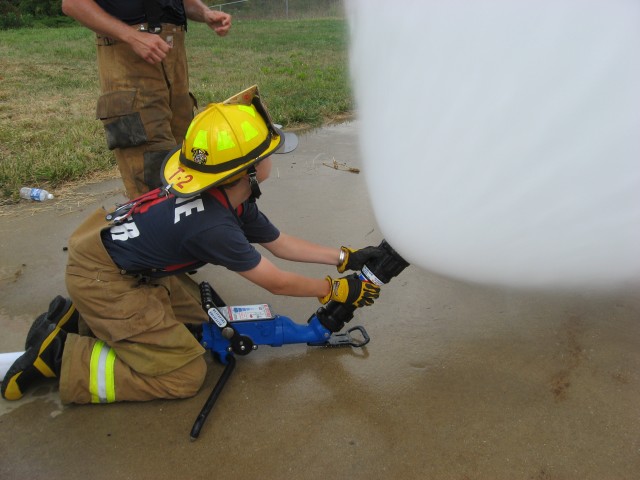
(501, 139)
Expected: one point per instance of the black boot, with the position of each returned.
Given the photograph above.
(42, 360)
(62, 312)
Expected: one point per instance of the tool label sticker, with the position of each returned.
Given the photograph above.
(239, 313)
(217, 317)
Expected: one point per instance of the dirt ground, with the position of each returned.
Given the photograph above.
(459, 381)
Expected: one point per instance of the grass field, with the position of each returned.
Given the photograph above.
(49, 87)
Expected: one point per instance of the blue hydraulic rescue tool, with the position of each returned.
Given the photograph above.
(239, 330)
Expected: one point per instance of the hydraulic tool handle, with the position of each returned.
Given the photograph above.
(213, 397)
(206, 296)
(209, 297)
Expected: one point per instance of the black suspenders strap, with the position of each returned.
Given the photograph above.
(154, 15)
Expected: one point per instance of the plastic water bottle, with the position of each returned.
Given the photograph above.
(37, 194)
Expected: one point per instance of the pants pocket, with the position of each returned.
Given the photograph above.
(122, 123)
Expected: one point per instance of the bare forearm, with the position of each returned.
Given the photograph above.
(195, 10)
(151, 48)
(295, 285)
(217, 20)
(281, 282)
(89, 14)
(296, 249)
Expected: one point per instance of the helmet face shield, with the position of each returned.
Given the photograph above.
(223, 141)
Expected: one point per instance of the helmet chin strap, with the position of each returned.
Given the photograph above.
(253, 183)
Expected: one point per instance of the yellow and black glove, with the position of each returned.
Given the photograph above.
(355, 259)
(351, 290)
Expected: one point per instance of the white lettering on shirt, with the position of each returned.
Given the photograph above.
(186, 206)
(124, 231)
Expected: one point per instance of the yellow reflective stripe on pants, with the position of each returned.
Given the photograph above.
(101, 374)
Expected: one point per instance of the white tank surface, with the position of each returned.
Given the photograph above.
(501, 139)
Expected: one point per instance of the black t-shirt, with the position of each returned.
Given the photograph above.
(133, 12)
(180, 234)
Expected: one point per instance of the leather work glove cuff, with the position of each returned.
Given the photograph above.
(324, 300)
(351, 290)
(355, 259)
(345, 253)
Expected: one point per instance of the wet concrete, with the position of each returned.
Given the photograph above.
(459, 381)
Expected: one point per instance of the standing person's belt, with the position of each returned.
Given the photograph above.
(164, 28)
(142, 27)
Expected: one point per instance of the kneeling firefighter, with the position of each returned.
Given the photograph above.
(137, 345)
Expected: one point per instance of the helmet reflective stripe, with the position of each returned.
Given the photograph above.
(249, 131)
(201, 140)
(102, 374)
(224, 141)
(250, 109)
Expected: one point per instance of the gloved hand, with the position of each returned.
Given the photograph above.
(355, 259)
(351, 290)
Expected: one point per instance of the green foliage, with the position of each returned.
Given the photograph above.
(40, 8)
(26, 13)
(10, 15)
(12, 20)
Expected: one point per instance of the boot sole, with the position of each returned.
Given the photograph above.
(21, 371)
(27, 368)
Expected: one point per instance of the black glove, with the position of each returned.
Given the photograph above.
(351, 290)
(355, 259)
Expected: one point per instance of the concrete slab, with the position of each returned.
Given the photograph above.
(459, 381)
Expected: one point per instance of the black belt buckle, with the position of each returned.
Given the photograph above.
(155, 29)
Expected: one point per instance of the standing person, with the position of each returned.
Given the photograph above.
(120, 264)
(145, 104)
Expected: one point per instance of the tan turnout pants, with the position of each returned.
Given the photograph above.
(142, 349)
(146, 109)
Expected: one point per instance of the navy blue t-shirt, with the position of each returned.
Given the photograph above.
(132, 12)
(180, 234)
